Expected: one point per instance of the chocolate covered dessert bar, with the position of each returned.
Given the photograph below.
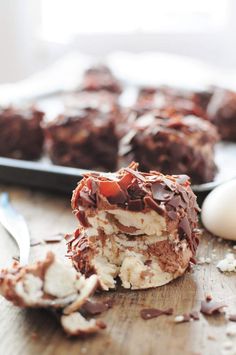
(140, 227)
(102, 100)
(83, 138)
(100, 78)
(21, 133)
(222, 113)
(176, 145)
(173, 101)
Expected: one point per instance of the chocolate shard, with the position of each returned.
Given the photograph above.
(56, 238)
(175, 201)
(149, 313)
(181, 179)
(185, 227)
(232, 317)
(119, 198)
(152, 204)
(93, 308)
(136, 174)
(160, 192)
(211, 307)
(172, 215)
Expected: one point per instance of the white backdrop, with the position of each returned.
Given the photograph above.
(26, 47)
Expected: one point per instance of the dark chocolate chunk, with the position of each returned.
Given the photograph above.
(211, 307)
(149, 313)
(135, 191)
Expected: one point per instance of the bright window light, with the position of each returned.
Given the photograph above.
(64, 19)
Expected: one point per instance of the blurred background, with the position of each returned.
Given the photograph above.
(33, 34)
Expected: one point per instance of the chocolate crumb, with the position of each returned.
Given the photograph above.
(149, 313)
(208, 298)
(211, 307)
(232, 317)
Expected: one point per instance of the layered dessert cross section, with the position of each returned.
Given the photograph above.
(139, 227)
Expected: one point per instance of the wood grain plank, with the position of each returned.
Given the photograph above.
(36, 332)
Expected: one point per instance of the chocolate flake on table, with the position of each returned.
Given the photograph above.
(94, 307)
(149, 313)
(56, 238)
(232, 317)
(212, 307)
(182, 145)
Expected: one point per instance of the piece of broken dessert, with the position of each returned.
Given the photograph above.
(141, 227)
(55, 285)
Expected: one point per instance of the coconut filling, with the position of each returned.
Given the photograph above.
(127, 246)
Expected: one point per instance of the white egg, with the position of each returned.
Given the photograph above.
(219, 211)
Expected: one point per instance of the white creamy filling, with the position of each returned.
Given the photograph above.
(60, 280)
(106, 272)
(119, 256)
(135, 274)
(30, 288)
(148, 223)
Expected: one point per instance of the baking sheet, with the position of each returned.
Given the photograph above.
(45, 175)
(133, 70)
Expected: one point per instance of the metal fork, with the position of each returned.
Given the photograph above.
(16, 226)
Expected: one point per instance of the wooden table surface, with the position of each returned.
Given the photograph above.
(36, 332)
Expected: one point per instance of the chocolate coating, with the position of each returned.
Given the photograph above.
(154, 191)
(177, 145)
(222, 113)
(22, 136)
(85, 139)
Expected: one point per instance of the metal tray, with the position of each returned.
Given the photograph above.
(44, 175)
